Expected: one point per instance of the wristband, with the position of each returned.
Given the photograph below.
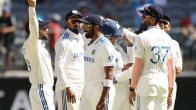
(107, 83)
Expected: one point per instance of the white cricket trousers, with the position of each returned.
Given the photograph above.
(173, 97)
(121, 99)
(62, 99)
(42, 97)
(151, 103)
(91, 95)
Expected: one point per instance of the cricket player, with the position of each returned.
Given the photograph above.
(153, 73)
(99, 61)
(39, 63)
(164, 23)
(112, 30)
(69, 64)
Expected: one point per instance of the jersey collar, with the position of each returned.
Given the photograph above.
(96, 40)
(157, 26)
(42, 43)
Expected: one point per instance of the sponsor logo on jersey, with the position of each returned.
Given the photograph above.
(89, 59)
(78, 55)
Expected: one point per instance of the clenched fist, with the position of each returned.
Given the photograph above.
(32, 3)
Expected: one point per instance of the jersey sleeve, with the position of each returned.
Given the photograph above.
(124, 76)
(178, 58)
(31, 43)
(130, 35)
(33, 26)
(139, 47)
(172, 53)
(130, 53)
(108, 56)
(61, 56)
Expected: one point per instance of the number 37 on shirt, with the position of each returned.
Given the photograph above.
(159, 54)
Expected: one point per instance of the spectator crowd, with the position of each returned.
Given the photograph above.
(13, 19)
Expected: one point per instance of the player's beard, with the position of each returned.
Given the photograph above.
(44, 37)
(90, 33)
(76, 29)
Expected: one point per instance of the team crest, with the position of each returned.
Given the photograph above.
(110, 58)
(93, 52)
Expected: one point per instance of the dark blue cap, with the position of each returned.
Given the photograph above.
(73, 13)
(112, 29)
(42, 23)
(166, 18)
(93, 19)
(153, 11)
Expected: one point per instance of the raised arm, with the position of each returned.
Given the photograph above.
(33, 22)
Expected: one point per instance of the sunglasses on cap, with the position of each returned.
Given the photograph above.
(73, 21)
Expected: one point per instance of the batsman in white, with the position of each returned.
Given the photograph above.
(164, 23)
(153, 70)
(69, 64)
(39, 63)
(98, 90)
(122, 71)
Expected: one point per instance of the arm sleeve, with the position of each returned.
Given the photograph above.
(130, 53)
(60, 59)
(124, 76)
(108, 56)
(178, 59)
(130, 35)
(33, 26)
(172, 53)
(139, 47)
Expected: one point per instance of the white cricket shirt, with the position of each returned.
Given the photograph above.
(125, 75)
(178, 59)
(119, 61)
(69, 60)
(37, 57)
(154, 46)
(98, 55)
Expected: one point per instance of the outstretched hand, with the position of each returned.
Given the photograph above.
(32, 3)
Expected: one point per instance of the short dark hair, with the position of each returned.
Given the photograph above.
(27, 28)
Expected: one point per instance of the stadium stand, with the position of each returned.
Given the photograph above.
(176, 9)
